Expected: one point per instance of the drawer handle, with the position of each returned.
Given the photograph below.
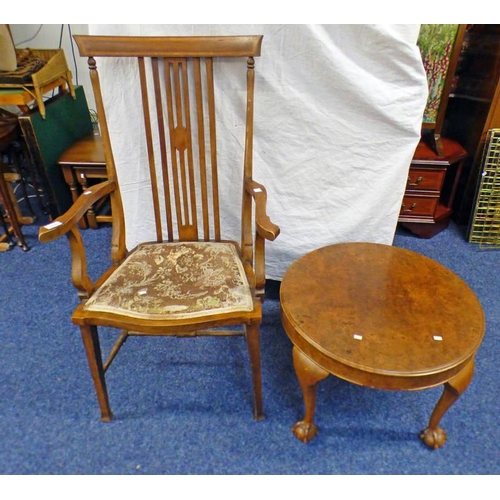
(418, 181)
(412, 206)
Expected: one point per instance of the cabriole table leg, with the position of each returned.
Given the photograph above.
(309, 374)
(434, 436)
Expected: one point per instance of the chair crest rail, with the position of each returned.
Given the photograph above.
(150, 46)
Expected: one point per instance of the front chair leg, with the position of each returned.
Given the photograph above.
(253, 343)
(435, 437)
(93, 349)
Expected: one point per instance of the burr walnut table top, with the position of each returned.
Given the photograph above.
(379, 316)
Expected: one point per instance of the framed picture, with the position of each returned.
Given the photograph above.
(440, 46)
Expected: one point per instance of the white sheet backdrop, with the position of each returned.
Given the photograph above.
(338, 114)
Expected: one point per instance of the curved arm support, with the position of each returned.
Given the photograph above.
(67, 224)
(79, 276)
(265, 227)
(72, 216)
(265, 230)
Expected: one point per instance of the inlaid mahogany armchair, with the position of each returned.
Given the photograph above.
(190, 281)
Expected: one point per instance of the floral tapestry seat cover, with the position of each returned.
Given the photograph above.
(176, 281)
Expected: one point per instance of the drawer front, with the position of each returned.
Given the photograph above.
(414, 205)
(420, 179)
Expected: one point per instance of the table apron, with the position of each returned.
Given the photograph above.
(355, 375)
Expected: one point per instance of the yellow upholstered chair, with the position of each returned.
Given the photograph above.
(190, 281)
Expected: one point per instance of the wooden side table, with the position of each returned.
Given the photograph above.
(381, 317)
(430, 190)
(82, 161)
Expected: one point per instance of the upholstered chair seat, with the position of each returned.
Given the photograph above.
(176, 281)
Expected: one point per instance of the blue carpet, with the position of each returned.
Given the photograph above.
(183, 406)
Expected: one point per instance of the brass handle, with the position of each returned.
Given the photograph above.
(412, 206)
(418, 181)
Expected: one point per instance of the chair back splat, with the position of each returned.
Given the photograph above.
(190, 281)
(176, 78)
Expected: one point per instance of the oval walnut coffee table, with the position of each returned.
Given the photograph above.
(381, 317)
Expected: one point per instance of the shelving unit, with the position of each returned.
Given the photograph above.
(474, 108)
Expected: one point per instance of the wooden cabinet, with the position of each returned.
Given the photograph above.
(431, 188)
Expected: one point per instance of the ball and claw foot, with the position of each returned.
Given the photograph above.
(304, 431)
(434, 438)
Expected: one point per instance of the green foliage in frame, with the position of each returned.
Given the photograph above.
(436, 45)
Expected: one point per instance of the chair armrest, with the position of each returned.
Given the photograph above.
(64, 223)
(67, 224)
(265, 227)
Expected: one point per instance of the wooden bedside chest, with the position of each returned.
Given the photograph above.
(432, 182)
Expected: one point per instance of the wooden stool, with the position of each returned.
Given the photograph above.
(82, 161)
(8, 135)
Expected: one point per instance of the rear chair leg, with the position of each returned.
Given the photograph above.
(93, 349)
(253, 343)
